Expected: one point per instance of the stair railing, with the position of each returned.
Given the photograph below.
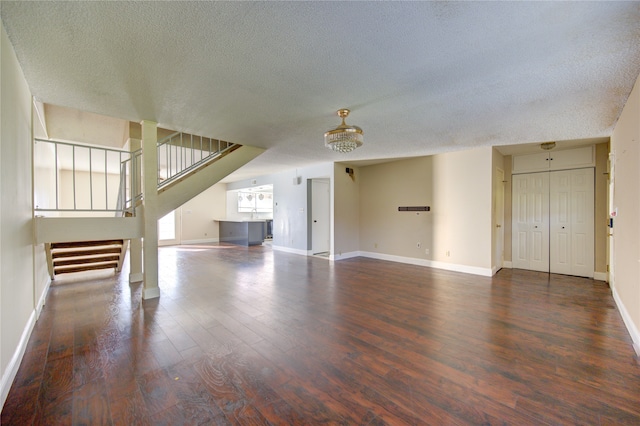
(72, 177)
(130, 190)
(181, 153)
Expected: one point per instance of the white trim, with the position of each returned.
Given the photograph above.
(43, 298)
(631, 327)
(201, 241)
(289, 250)
(475, 270)
(10, 372)
(136, 277)
(601, 276)
(348, 255)
(507, 264)
(150, 293)
(495, 270)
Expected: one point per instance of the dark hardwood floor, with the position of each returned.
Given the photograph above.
(250, 336)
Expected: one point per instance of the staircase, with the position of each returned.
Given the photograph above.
(67, 257)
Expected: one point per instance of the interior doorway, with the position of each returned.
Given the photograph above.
(498, 230)
(320, 217)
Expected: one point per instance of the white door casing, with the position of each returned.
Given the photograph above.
(499, 218)
(320, 216)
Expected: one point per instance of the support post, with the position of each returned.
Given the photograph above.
(135, 245)
(150, 208)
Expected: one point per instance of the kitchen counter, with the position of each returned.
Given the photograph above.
(242, 232)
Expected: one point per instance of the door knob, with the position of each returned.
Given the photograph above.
(498, 226)
(315, 221)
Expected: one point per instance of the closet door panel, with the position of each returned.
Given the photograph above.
(531, 221)
(520, 253)
(582, 218)
(538, 197)
(560, 222)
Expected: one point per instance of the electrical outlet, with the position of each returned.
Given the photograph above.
(418, 245)
(448, 253)
(426, 251)
(375, 245)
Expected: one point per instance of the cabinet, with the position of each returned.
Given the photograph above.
(554, 160)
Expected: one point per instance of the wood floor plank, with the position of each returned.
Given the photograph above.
(247, 335)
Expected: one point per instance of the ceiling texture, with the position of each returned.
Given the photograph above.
(419, 77)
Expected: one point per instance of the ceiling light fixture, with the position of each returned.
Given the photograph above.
(343, 138)
(548, 145)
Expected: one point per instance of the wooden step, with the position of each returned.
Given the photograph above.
(77, 253)
(83, 260)
(78, 244)
(67, 257)
(82, 268)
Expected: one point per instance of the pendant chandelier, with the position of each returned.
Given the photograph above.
(343, 138)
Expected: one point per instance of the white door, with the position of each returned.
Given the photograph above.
(560, 222)
(320, 216)
(571, 249)
(582, 223)
(530, 222)
(499, 219)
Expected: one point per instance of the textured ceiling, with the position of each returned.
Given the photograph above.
(419, 77)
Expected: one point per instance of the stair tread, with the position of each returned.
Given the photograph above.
(55, 254)
(78, 244)
(85, 260)
(110, 265)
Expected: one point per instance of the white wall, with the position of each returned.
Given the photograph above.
(18, 297)
(103, 196)
(289, 204)
(198, 213)
(625, 146)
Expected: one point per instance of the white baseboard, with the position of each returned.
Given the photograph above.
(631, 327)
(601, 276)
(43, 298)
(201, 241)
(9, 374)
(343, 256)
(289, 250)
(486, 272)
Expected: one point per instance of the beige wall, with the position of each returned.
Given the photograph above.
(18, 295)
(458, 229)
(385, 187)
(199, 212)
(625, 143)
(346, 210)
(462, 188)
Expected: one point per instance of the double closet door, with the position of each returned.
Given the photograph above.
(553, 222)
